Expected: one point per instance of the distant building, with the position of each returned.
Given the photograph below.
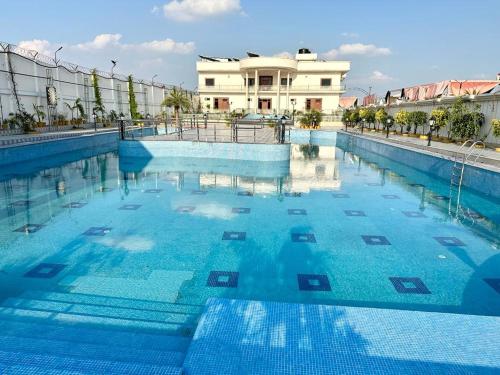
(260, 84)
(348, 102)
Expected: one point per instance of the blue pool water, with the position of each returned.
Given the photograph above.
(142, 243)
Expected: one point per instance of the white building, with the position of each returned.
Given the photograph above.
(259, 84)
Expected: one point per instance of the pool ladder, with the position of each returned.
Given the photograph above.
(468, 153)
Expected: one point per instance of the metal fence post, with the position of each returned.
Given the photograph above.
(197, 131)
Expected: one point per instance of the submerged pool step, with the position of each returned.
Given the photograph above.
(32, 370)
(94, 351)
(53, 363)
(99, 311)
(128, 303)
(57, 331)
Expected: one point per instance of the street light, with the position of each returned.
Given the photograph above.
(389, 121)
(293, 101)
(94, 116)
(431, 129)
(55, 55)
(113, 67)
(122, 127)
(363, 125)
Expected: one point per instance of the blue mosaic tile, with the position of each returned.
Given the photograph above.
(293, 195)
(74, 205)
(245, 193)
(185, 209)
(449, 241)
(89, 177)
(240, 210)
(303, 237)
(234, 236)
(21, 203)
(104, 190)
(130, 207)
(390, 196)
(494, 283)
(413, 214)
(375, 240)
(97, 231)
(409, 285)
(317, 283)
(45, 270)
(297, 211)
(223, 279)
(29, 228)
(416, 185)
(354, 213)
(441, 197)
(153, 191)
(198, 192)
(340, 195)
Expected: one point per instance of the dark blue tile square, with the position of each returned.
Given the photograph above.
(245, 193)
(297, 211)
(21, 203)
(318, 283)
(494, 283)
(234, 236)
(74, 205)
(303, 237)
(223, 279)
(90, 177)
(390, 196)
(240, 210)
(293, 195)
(416, 185)
(153, 191)
(441, 197)
(103, 189)
(198, 192)
(130, 207)
(409, 285)
(449, 241)
(375, 240)
(97, 231)
(29, 228)
(45, 270)
(185, 209)
(413, 214)
(340, 195)
(354, 213)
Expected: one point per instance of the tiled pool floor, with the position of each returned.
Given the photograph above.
(101, 239)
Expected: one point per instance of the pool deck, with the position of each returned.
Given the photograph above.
(490, 159)
(255, 337)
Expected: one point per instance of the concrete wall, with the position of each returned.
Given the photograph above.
(31, 80)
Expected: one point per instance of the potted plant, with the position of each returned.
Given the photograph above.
(495, 125)
(40, 116)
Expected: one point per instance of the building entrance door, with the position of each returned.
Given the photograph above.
(265, 105)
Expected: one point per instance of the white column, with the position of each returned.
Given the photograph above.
(246, 91)
(288, 91)
(256, 87)
(153, 104)
(279, 92)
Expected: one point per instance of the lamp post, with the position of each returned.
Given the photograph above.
(363, 121)
(55, 55)
(122, 127)
(388, 125)
(293, 101)
(113, 62)
(94, 116)
(431, 128)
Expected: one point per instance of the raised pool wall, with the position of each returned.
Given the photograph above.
(233, 151)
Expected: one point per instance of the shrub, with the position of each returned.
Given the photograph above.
(495, 125)
(402, 119)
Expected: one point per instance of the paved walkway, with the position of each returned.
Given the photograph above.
(488, 156)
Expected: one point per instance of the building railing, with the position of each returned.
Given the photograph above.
(272, 88)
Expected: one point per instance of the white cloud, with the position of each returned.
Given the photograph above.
(101, 41)
(350, 35)
(192, 10)
(41, 46)
(357, 49)
(284, 54)
(379, 76)
(165, 46)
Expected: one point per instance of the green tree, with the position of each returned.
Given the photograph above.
(99, 106)
(381, 116)
(354, 116)
(402, 119)
(346, 116)
(465, 123)
(441, 116)
(177, 100)
(134, 114)
(417, 119)
(40, 114)
(312, 118)
(495, 125)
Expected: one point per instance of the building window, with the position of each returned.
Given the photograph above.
(326, 82)
(313, 103)
(265, 80)
(251, 81)
(209, 81)
(283, 81)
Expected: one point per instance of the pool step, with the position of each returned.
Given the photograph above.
(59, 331)
(94, 351)
(32, 370)
(21, 361)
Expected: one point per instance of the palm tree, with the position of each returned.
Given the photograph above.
(179, 101)
(76, 106)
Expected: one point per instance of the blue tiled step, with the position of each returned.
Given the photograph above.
(50, 331)
(94, 351)
(99, 311)
(31, 370)
(92, 299)
(87, 366)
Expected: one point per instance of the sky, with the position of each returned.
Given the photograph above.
(391, 44)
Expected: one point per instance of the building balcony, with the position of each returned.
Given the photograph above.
(294, 89)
